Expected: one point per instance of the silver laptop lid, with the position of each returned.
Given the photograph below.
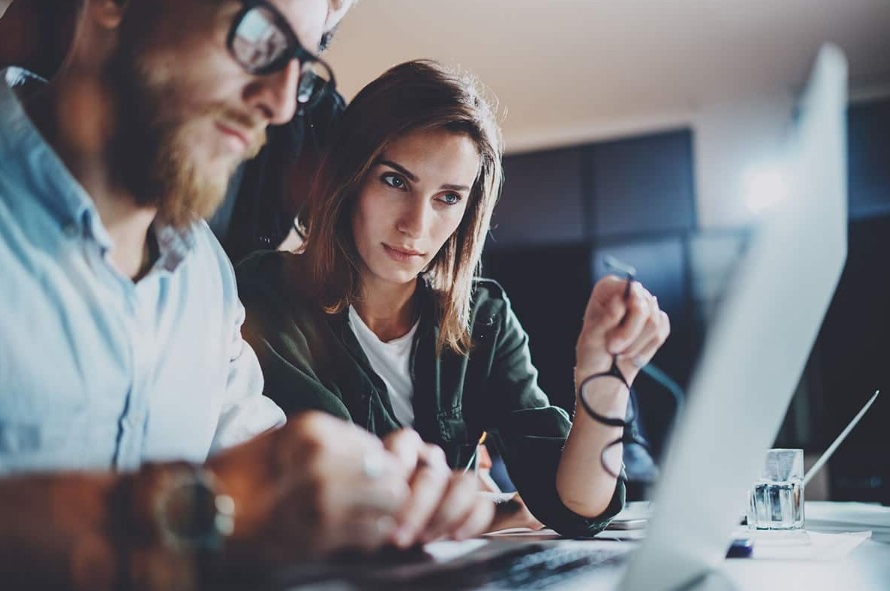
(755, 350)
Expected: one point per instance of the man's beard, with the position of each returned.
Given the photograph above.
(150, 152)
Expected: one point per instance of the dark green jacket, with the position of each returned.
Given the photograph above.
(312, 360)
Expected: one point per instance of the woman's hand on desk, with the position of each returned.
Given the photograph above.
(511, 512)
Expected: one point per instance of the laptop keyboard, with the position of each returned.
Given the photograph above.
(547, 567)
(531, 566)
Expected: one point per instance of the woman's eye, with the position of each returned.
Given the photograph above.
(393, 180)
(450, 198)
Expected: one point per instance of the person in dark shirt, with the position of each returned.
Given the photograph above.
(381, 320)
(268, 192)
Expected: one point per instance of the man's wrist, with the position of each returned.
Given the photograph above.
(171, 520)
(180, 506)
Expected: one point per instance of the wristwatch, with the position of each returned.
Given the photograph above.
(191, 511)
(181, 506)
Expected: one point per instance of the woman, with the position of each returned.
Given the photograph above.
(380, 320)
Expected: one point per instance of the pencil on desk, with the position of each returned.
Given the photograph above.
(475, 452)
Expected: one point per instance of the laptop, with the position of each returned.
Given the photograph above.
(754, 354)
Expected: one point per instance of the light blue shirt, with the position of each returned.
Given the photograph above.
(97, 372)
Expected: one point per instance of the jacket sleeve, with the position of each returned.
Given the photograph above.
(531, 432)
(281, 344)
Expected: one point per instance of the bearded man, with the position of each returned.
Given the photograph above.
(121, 357)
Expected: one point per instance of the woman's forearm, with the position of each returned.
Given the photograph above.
(583, 483)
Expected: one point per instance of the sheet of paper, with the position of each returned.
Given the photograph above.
(869, 515)
(524, 531)
(445, 550)
(622, 535)
(804, 545)
(848, 517)
(635, 510)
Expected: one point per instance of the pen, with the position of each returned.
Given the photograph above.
(616, 266)
(475, 452)
(840, 439)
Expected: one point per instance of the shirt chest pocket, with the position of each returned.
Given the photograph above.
(53, 443)
(37, 405)
(47, 414)
(20, 437)
(452, 427)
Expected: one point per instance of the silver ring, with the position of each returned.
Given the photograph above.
(384, 525)
(372, 465)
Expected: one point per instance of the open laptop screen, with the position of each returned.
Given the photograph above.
(756, 347)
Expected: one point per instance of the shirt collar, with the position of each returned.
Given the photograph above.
(174, 245)
(26, 154)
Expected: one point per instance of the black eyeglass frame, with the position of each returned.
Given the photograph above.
(629, 435)
(295, 51)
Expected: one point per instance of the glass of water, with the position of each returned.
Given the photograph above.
(777, 497)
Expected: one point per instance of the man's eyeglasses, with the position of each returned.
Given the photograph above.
(262, 42)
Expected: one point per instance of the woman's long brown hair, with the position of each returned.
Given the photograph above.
(415, 95)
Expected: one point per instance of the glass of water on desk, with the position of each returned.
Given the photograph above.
(777, 497)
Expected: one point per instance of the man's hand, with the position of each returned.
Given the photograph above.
(442, 502)
(315, 486)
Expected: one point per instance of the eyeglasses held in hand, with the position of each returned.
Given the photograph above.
(593, 402)
(262, 42)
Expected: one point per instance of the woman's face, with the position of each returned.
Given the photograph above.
(410, 202)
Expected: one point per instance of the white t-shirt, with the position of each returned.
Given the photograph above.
(390, 361)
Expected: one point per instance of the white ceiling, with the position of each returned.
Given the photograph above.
(574, 70)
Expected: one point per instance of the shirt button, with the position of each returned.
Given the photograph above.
(70, 230)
